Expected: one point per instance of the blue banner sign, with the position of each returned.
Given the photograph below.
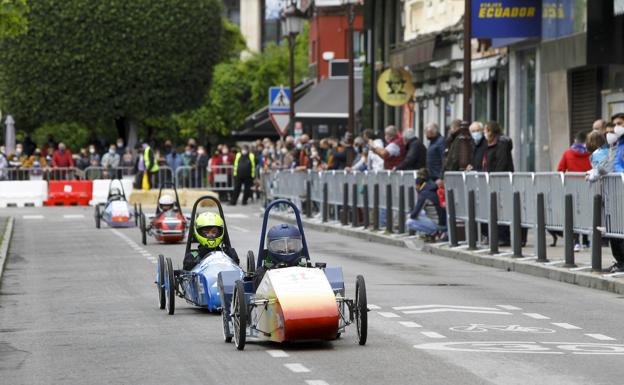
(558, 18)
(506, 18)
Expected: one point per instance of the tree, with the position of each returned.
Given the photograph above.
(13, 20)
(94, 61)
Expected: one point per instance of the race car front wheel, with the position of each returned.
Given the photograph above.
(160, 281)
(361, 310)
(251, 262)
(97, 216)
(239, 317)
(143, 230)
(170, 287)
(225, 312)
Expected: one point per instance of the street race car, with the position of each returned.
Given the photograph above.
(199, 285)
(289, 303)
(168, 224)
(116, 212)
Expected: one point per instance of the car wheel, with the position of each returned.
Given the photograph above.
(225, 312)
(97, 216)
(160, 281)
(239, 317)
(136, 216)
(170, 287)
(361, 310)
(251, 262)
(143, 230)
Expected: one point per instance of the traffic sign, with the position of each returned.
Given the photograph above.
(281, 122)
(279, 99)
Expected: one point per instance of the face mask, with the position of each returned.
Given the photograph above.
(283, 151)
(18, 151)
(314, 154)
(62, 149)
(91, 150)
(299, 146)
(119, 144)
(111, 150)
(200, 152)
(224, 151)
(477, 136)
(244, 152)
(611, 138)
(188, 153)
(619, 130)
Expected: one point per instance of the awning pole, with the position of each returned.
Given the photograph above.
(467, 103)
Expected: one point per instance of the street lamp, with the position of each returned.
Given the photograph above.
(350, 4)
(291, 25)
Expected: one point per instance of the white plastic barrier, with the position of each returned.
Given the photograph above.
(22, 193)
(100, 189)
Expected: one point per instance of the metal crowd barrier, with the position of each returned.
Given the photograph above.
(47, 174)
(93, 173)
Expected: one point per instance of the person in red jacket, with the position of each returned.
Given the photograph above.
(62, 157)
(576, 158)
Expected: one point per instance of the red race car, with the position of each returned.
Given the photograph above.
(168, 224)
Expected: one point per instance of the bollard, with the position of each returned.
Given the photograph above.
(412, 203)
(325, 203)
(354, 211)
(389, 208)
(493, 225)
(309, 199)
(401, 209)
(452, 218)
(366, 212)
(472, 221)
(596, 235)
(376, 207)
(516, 227)
(540, 230)
(345, 204)
(568, 231)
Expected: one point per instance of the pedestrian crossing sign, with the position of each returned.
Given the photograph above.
(279, 99)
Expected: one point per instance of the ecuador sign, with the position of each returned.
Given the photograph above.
(395, 87)
(506, 18)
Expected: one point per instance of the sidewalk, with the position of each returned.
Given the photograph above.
(6, 231)
(580, 275)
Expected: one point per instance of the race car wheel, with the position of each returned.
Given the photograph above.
(160, 283)
(239, 317)
(251, 262)
(136, 216)
(143, 230)
(97, 216)
(170, 287)
(225, 312)
(361, 310)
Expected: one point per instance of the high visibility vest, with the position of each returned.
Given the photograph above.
(146, 160)
(252, 159)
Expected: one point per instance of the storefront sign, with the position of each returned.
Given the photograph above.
(506, 18)
(395, 87)
(557, 18)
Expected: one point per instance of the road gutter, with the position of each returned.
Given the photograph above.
(4, 247)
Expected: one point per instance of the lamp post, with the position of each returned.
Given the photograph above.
(467, 91)
(291, 25)
(350, 4)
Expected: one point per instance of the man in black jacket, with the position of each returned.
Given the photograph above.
(427, 192)
(416, 154)
(480, 146)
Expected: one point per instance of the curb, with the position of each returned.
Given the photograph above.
(530, 267)
(6, 241)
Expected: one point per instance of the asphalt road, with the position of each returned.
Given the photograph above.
(78, 306)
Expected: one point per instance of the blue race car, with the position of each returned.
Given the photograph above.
(197, 286)
(116, 212)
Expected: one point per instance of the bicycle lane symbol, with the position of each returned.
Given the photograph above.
(483, 328)
(526, 347)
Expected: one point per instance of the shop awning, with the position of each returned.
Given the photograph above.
(329, 100)
(483, 69)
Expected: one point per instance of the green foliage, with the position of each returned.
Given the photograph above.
(13, 20)
(74, 135)
(94, 61)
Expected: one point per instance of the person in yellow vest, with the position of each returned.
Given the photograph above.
(244, 174)
(151, 165)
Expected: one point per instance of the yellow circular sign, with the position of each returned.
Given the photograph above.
(395, 87)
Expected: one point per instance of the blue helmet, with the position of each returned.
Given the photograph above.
(284, 244)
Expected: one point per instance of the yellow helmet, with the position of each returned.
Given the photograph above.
(209, 229)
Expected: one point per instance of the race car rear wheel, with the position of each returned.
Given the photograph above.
(251, 262)
(97, 216)
(143, 230)
(239, 317)
(225, 312)
(160, 283)
(361, 310)
(136, 216)
(170, 287)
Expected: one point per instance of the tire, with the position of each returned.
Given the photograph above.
(97, 216)
(170, 288)
(225, 313)
(143, 230)
(361, 310)
(251, 262)
(160, 284)
(136, 216)
(239, 318)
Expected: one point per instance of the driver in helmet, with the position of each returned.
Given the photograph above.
(166, 203)
(284, 249)
(115, 194)
(209, 229)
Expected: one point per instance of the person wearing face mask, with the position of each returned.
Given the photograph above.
(110, 161)
(94, 157)
(460, 148)
(480, 146)
(416, 152)
(17, 160)
(201, 163)
(62, 157)
(618, 121)
(120, 148)
(497, 157)
(435, 151)
(427, 193)
(244, 174)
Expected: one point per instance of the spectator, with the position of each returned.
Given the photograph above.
(151, 167)
(127, 159)
(435, 152)
(202, 161)
(342, 154)
(427, 192)
(82, 161)
(110, 162)
(36, 162)
(618, 121)
(244, 174)
(62, 157)
(120, 148)
(599, 125)
(480, 146)
(416, 152)
(174, 160)
(394, 152)
(94, 157)
(576, 158)
(497, 156)
(18, 158)
(603, 149)
(374, 161)
(460, 148)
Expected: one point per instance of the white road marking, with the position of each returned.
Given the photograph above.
(536, 316)
(277, 353)
(445, 310)
(242, 230)
(32, 216)
(154, 262)
(316, 382)
(73, 216)
(388, 314)
(410, 324)
(237, 216)
(564, 325)
(600, 337)
(373, 307)
(432, 335)
(297, 368)
(444, 306)
(509, 307)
